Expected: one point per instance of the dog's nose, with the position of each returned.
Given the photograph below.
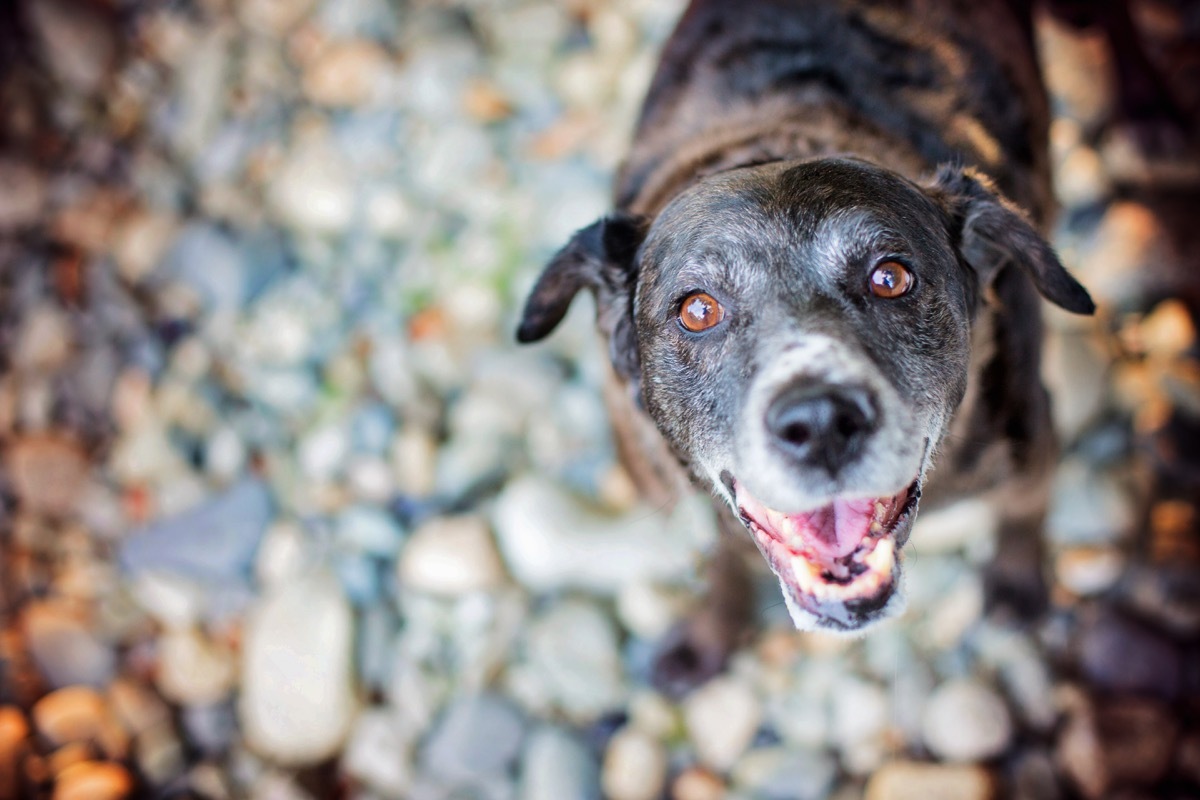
(822, 426)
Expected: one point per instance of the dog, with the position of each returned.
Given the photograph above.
(821, 283)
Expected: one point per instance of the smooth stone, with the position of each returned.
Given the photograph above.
(370, 530)
(313, 191)
(70, 714)
(212, 264)
(1023, 672)
(550, 540)
(1078, 750)
(556, 766)
(574, 652)
(64, 646)
(966, 721)
(22, 195)
(697, 783)
(193, 671)
(159, 754)
(379, 754)
(346, 73)
(954, 527)
(47, 472)
(78, 41)
(649, 611)
(136, 706)
(1119, 655)
(140, 243)
(907, 780)
(635, 766)
(1088, 571)
(215, 541)
(14, 730)
(45, 339)
(322, 453)
(285, 554)
(778, 773)
(451, 556)
(93, 780)
(722, 717)
(370, 479)
(212, 729)
(273, 17)
(225, 454)
(478, 737)
(297, 700)
(1124, 741)
(859, 719)
(1087, 508)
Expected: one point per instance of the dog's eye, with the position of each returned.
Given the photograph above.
(890, 280)
(700, 311)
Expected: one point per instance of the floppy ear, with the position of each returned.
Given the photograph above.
(995, 234)
(600, 257)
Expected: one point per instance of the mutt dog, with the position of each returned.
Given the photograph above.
(821, 284)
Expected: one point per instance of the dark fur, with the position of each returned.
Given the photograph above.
(784, 149)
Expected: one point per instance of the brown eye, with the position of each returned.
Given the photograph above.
(890, 280)
(700, 311)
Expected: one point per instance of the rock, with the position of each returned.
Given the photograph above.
(965, 721)
(908, 780)
(556, 766)
(1165, 594)
(777, 773)
(1087, 571)
(379, 754)
(211, 264)
(649, 611)
(859, 719)
(211, 729)
(635, 767)
(722, 717)
(159, 754)
(323, 452)
(574, 660)
(77, 39)
(1023, 672)
(1118, 655)
(138, 708)
(1088, 508)
(192, 670)
(213, 542)
(313, 191)
(1034, 778)
(14, 731)
(451, 556)
(369, 530)
(140, 243)
(1138, 737)
(346, 73)
(954, 527)
(64, 647)
(225, 454)
(22, 195)
(478, 738)
(297, 699)
(1079, 751)
(697, 783)
(47, 473)
(71, 714)
(551, 541)
(274, 17)
(45, 339)
(93, 780)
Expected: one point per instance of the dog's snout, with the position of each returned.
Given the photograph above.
(822, 426)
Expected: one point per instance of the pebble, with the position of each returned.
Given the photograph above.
(215, 541)
(47, 473)
(1088, 571)
(556, 766)
(370, 530)
(78, 41)
(63, 644)
(22, 195)
(697, 783)
(70, 714)
(859, 718)
(1088, 508)
(908, 780)
(635, 766)
(14, 730)
(722, 717)
(1118, 655)
(777, 773)
(297, 700)
(313, 191)
(93, 780)
(478, 737)
(346, 74)
(140, 243)
(966, 721)
(378, 754)
(574, 659)
(193, 670)
(451, 556)
(551, 541)
(274, 17)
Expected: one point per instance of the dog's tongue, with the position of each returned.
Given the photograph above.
(834, 531)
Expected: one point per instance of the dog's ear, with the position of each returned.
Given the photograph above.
(602, 258)
(994, 234)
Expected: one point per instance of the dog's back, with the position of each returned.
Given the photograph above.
(905, 83)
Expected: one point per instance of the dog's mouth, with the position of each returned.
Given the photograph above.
(839, 562)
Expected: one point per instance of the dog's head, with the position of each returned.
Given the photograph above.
(800, 334)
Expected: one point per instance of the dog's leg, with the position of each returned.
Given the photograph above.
(700, 647)
(1015, 585)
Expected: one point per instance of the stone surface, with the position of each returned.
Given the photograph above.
(47, 473)
(63, 644)
(1119, 655)
(966, 721)
(907, 780)
(193, 670)
(478, 738)
(297, 700)
(574, 660)
(451, 556)
(722, 717)
(93, 780)
(635, 766)
(379, 754)
(556, 766)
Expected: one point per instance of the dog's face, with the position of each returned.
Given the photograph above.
(800, 334)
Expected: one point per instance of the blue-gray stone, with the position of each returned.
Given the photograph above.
(214, 542)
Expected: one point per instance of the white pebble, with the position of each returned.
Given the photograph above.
(635, 766)
(965, 721)
(722, 718)
(451, 556)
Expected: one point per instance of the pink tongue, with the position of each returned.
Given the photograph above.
(838, 529)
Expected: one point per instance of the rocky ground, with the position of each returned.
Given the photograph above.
(286, 514)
